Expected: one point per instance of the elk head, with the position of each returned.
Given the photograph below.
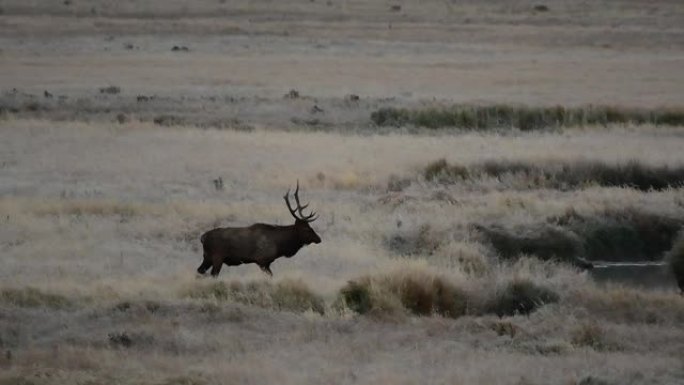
(304, 232)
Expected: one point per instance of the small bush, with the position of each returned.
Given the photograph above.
(390, 117)
(396, 183)
(503, 328)
(675, 259)
(591, 380)
(442, 172)
(30, 297)
(288, 295)
(520, 296)
(112, 90)
(122, 118)
(470, 259)
(127, 340)
(185, 380)
(356, 295)
(142, 306)
(415, 292)
(120, 340)
(168, 120)
(589, 335)
(292, 94)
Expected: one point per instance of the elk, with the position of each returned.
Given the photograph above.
(259, 243)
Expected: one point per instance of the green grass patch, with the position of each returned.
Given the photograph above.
(525, 118)
(17, 381)
(287, 295)
(31, 297)
(561, 175)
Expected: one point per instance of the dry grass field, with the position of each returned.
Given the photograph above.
(459, 206)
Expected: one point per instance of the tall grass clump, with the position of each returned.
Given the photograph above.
(525, 118)
(288, 295)
(520, 296)
(411, 291)
(675, 260)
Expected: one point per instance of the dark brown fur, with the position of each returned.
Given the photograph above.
(259, 243)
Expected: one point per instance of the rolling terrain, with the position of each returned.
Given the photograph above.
(468, 161)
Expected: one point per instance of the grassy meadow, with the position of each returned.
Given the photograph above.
(470, 164)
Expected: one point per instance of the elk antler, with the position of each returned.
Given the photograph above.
(306, 218)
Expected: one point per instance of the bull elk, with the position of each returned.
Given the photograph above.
(259, 243)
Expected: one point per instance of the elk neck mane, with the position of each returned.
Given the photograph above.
(284, 237)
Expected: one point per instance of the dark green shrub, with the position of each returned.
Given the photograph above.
(525, 118)
(591, 380)
(675, 258)
(110, 90)
(357, 297)
(625, 235)
(520, 296)
(614, 235)
(443, 172)
(391, 117)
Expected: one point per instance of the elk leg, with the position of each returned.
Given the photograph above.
(216, 266)
(267, 269)
(206, 264)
